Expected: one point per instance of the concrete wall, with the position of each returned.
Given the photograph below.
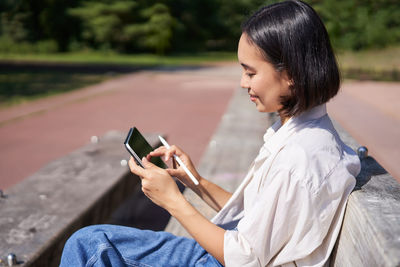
(83, 188)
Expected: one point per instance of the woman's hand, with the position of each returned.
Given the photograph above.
(177, 172)
(215, 196)
(157, 184)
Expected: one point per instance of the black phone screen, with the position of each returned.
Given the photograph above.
(138, 147)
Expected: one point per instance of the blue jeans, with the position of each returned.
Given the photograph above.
(110, 245)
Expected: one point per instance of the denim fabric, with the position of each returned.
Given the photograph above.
(110, 245)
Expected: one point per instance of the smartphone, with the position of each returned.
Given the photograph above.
(138, 147)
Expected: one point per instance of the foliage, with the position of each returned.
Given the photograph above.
(123, 25)
(156, 32)
(103, 22)
(360, 24)
(7, 45)
(237, 12)
(36, 20)
(171, 26)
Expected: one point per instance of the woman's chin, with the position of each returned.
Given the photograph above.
(261, 108)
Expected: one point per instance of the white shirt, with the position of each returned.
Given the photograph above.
(289, 208)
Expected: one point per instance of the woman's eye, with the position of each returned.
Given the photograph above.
(250, 74)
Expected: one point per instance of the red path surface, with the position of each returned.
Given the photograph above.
(184, 105)
(370, 112)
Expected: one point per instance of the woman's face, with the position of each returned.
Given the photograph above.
(264, 84)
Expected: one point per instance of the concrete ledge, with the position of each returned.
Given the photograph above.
(370, 234)
(83, 188)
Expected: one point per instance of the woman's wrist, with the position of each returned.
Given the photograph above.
(180, 207)
(198, 189)
(202, 181)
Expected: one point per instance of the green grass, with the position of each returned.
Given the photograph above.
(120, 59)
(382, 59)
(18, 86)
(381, 65)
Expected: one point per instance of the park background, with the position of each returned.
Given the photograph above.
(76, 74)
(365, 35)
(52, 47)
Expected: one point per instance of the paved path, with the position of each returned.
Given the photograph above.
(185, 105)
(370, 112)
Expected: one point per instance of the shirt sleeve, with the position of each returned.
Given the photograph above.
(283, 223)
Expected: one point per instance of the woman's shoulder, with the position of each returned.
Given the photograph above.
(315, 155)
(313, 141)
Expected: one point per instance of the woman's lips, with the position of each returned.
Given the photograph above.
(253, 97)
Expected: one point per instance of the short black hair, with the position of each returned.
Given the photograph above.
(292, 37)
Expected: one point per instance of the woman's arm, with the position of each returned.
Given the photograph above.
(207, 234)
(212, 194)
(215, 196)
(160, 188)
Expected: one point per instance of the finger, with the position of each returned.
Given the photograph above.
(148, 157)
(173, 163)
(170, 153)
(147, 164)
(176, 150)
(136, 169)
(160, 151)
(173, 172)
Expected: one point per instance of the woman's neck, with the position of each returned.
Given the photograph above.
(284, 119)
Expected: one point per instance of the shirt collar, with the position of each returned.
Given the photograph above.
(277, 134)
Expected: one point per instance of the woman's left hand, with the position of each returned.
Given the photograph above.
(157, 184)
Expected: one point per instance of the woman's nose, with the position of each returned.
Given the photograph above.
(244, 81)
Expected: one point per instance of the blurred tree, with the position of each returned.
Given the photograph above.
(125, 25)
(13, 19)
(35, 20)
(360, 24)
(195, 23)
(156, 32)
(55, 23)
(177, 25)
(103, 21)
(209, 24)
(232, 13)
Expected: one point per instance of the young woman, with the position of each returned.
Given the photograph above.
(289, 208)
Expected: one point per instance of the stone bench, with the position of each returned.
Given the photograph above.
(370, 235)
(88, 186)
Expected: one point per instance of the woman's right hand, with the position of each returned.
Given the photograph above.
(177, 172)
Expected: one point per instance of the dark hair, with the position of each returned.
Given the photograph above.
(292, 37)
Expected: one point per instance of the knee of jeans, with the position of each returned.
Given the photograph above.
(84, 237)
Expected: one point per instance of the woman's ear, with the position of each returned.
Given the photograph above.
(285, 76)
